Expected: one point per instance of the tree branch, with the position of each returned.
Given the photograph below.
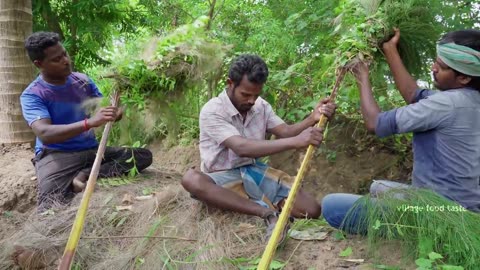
(51, 18)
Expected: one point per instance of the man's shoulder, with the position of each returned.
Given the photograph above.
(213, 105)
(34, 88)
(444, 97)
(262, 102)
(463, 97)
(80, 76)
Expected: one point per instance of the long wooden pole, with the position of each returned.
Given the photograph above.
(287, 208)
(77, 228)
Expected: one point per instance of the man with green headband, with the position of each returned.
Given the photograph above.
(445, 125)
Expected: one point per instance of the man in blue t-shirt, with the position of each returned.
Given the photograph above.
(445, 124)
(54, 107)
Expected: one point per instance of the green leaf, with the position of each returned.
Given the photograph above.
(120, 223)
(338, 235)
(422, 262)
(377, 225)
(166, 263)
(434, 256)
(112, 216)
(147, 191)
(346, 252)
(274, 265)
(139, 261)
(425, 246)
(399, 230)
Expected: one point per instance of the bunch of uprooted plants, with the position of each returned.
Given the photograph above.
(169, 230)
(163, 81)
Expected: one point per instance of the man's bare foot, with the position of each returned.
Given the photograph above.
(80, 182)
(27, 259)
(271, 218)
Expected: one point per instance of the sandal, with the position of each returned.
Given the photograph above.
(271, 226)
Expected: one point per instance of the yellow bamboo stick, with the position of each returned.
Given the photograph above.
(70, 248)
(287, 208)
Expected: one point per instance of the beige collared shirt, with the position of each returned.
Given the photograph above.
(220, 120)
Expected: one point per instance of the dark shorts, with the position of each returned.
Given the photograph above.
(56, 170)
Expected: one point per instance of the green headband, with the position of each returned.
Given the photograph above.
(461, 58)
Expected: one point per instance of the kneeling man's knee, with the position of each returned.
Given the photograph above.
(328, 209)
(314, 210)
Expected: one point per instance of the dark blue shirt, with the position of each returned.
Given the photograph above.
(446, 142)
(62, 104)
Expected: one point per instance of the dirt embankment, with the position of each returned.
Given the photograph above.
(348, 161)
(17, 178)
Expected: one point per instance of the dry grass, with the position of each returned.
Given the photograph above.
(171, 213)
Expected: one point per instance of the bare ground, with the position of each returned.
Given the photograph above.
(347, 162)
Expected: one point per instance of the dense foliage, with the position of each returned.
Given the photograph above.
(169, 57)
(302, 41)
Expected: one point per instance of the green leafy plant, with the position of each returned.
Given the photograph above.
(252, 264)
(433, 261)
(115, 181)
(8, 214)
(346, 252)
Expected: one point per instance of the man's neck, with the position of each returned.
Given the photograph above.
(54, 81)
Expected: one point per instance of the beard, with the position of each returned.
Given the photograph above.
(244, 107)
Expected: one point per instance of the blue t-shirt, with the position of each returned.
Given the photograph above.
(62, 104)
(446, 142)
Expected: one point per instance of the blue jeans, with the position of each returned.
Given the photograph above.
(336, 206)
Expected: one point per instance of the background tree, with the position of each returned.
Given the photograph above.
(87, 27)
(16, 71)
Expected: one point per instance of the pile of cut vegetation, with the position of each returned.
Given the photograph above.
(155, 75)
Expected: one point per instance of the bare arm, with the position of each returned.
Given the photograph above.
(325, 106)
(369, 106)
(287, 131)
(259, 148)
(405, 83)
(49, 133)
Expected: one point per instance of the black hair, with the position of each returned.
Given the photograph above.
(251, 65)
(469, 38)
(37, 42)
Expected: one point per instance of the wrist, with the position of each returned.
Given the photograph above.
(390, 49)
(311, 119)
(291, 143)
(86, 126)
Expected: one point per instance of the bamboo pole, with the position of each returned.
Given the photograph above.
(287, 208)
(77, 228)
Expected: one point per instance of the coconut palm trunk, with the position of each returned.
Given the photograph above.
(16, 71)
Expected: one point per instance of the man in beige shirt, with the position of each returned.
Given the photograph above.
(233, 128)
